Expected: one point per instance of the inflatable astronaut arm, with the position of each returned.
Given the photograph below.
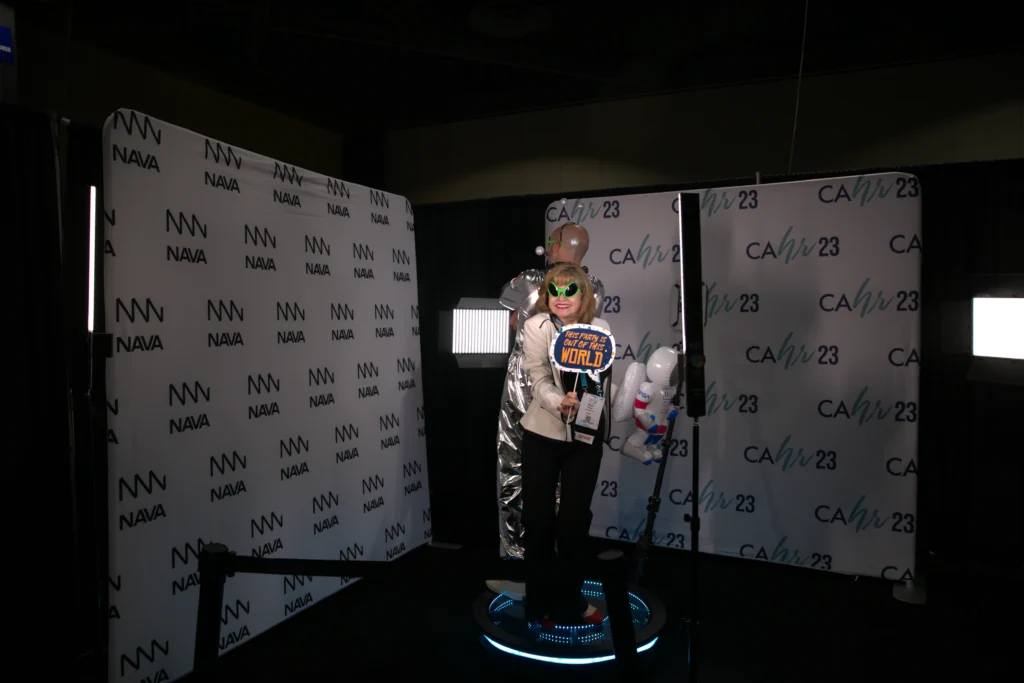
(625, 398)
(644, 397)
(627, 404)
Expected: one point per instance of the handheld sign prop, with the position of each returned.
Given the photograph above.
(583, 348)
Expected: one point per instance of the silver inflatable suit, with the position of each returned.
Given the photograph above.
(518, 295)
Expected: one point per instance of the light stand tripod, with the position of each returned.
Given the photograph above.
(693, 517)
(643, 545)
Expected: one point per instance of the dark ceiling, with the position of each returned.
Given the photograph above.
(372, 65)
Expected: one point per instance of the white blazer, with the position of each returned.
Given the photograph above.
(542, 416)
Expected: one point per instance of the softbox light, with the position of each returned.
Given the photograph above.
(477, 333)
(997, 329)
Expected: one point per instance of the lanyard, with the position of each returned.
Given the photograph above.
(598, 388)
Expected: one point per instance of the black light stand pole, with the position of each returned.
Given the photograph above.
(613, 577)
(94, 401)
(694, 519)
(693, 348)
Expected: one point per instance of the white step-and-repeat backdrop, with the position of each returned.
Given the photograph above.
(265, 388)
(812, 325)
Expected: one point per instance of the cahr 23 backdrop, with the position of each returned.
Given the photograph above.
(811, 299)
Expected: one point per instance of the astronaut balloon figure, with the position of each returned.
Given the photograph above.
(646, 396)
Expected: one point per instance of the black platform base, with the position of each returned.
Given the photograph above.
(506, 629)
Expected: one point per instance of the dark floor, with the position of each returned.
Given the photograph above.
(760, 622)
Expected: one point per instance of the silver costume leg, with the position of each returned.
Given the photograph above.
(515, 398)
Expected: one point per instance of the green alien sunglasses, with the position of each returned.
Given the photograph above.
(569, 291)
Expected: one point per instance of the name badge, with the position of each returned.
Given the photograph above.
(588, 415)
(585, 438)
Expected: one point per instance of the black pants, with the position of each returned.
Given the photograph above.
(554, 579)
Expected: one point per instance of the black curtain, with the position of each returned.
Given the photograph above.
(969, 497)
(40, 545)
(364, 160)
(971, 471)
(469, 249)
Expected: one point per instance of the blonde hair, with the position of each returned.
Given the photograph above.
(562, 275)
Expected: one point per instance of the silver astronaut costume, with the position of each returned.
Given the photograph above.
(519, 295)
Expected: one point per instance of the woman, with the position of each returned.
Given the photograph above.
(554, 447)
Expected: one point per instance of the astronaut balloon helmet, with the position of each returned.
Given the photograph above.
(663, 367)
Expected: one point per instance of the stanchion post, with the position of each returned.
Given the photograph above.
(613, 578)
(212, 575)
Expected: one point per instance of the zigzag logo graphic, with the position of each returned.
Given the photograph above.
(182, 223)
(138, 482)
(143, 654)
(189, 552)
(187, 392)
(342, 312)
(221, 153)
(221, 310)
(136, 309)
(287, 173)
(378, 198)
(233, 612)
(344, 433)
(290, 311)
(325, 501)
(374, 483)
(226, 462)
(132, 125)
(260, 237)
(264, 525)
(295, 580)
(294, 446)
(338, 188)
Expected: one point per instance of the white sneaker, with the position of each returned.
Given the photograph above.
(515, 590)
(511, 589)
